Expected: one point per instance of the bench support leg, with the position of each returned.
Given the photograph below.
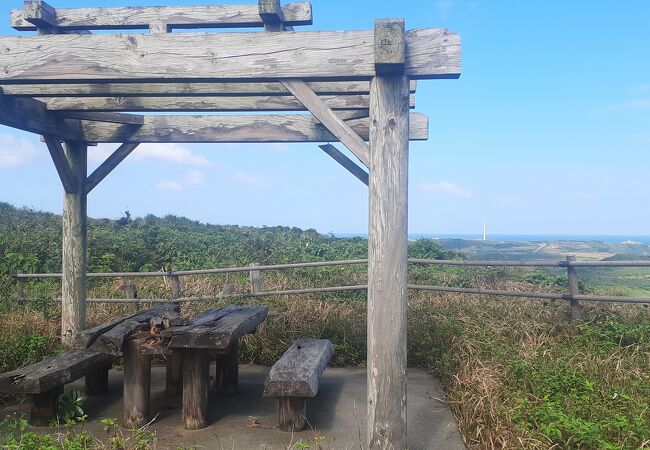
(174, 374)
(195, 388)
(227, 375)
(137, 385)
(44, 407)
(293, 413)
(97, 381)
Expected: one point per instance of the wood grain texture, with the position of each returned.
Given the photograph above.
(44, 407)
(231, 129)
(174, 374)
(346, 162)
(387, 262)
(52, 372)
(227, 371)
(137, 386)
(39, 14)
(189, 104)
(298, 371)
(68, 179)
(110, 117)
(182, 89)
(255, 278)
(195, 388)
(339, 128)
(74, 254)
(30, 115)
(140, 17)
(219, 334)
(431, 53)
(109, 165)
(390, 46)
(292, 414)
(96, 380)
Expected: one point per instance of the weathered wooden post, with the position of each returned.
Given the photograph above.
(174, 373)
(574, 287)
(73, 307)
(131, 291)
(387, 239)
(255, 277)
(195, 388)
(137, 385)
(20, 288)
(175, 282)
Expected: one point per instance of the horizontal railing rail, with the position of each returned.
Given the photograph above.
(256, 290)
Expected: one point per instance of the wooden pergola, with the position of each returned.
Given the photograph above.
(76, 88)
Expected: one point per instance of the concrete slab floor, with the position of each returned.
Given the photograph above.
(248, 421)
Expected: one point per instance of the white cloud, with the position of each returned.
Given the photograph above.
(16, 152)
(247, 180)
(188, 179)
(446, 187)
(173, 153)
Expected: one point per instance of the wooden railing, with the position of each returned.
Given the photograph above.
(255, 275)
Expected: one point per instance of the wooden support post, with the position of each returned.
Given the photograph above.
(44, 407)
(195, 388)
(174, 374)
(137, 385)
(131, 291)
(175, 282)
(20, 288)
(255, 277)
(574, 288)
(97, 381)
(293, 413)
(387, 248)
(227, 371)
(73, 309)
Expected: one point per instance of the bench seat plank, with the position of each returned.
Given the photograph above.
(53, 372)
(297, 373)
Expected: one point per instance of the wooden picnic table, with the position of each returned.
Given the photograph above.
(188, 348)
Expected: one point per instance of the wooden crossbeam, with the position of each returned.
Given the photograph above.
(31, 115)
(232, 129)
(68, 179)
(137, 17)
(311, 55)
(214, 104)
(346, 162)
(107, 166)
(182, 89)
(326, 116)
(39, 14)
(130, 119)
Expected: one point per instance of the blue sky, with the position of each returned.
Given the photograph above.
(547, 131)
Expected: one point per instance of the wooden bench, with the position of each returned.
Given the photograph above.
(44, 381)
(295, 377)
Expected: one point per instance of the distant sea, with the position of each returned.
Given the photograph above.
(521, 237)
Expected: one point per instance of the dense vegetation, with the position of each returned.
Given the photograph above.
(517, 373)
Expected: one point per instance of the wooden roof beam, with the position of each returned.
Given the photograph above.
(233, 129)
(30, 115)
(141, 17)
(183, 89)
(127, 119)
(214, 104)
(310, 55)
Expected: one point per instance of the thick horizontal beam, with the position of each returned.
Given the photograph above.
(132, 119)
(136, 17)
(214, 104)
(311, 55)
(232, 129)
(31, 115)
(182, 89)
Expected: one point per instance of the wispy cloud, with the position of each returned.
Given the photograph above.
(16, 152)
(245, 179)
(446, 188)
(628, 105)
(172, 153)
(189, 179)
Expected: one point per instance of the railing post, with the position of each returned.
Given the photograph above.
(175, 284)
(574, 288)
(132, 292)
(256, 279)
(20, 288)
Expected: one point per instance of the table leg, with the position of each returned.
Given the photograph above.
(137, 385)
(174, 374)
(97, 381)
(227, 375)
(195, 388)
(44, 407)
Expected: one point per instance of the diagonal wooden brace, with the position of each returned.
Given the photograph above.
(68, 180)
